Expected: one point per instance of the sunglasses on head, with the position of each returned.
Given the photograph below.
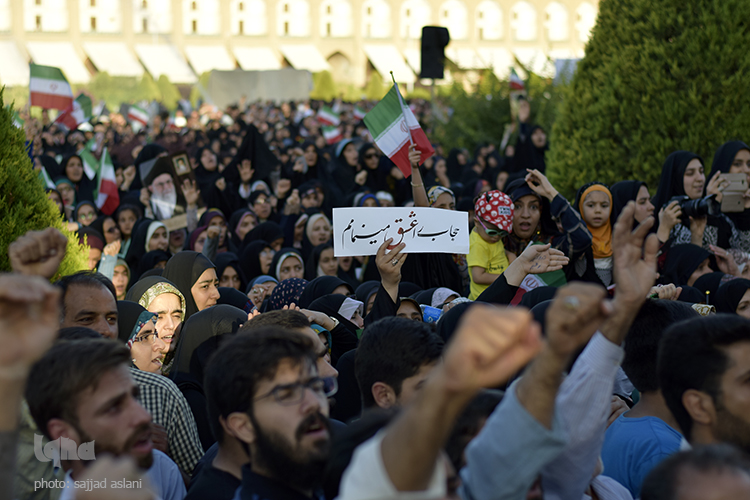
(491, 232)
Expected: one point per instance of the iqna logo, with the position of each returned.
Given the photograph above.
(62, 449)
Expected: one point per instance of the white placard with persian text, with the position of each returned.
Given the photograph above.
(360, 231)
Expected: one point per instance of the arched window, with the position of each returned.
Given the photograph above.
(100, 16)
(453, 15)
(586, 14)
(523, 21)
(414, 15)
(45, 15)
(293, 18)
(556, 22)
(376, 19)
(335, 18)
(152, 16)
(200, 17)
(489, 21)
(248, 17)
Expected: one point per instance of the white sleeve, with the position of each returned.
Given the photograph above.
(367, 479)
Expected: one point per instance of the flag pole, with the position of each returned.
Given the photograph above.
(401, 102)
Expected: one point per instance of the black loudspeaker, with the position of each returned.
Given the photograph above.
(434, 40)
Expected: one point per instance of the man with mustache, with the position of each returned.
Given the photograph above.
(82, 391)
(271, 398)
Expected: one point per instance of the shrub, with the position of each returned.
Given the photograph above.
(657, 76)
(24, 205)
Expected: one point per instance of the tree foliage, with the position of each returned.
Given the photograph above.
(323, 87)
(169, 93)
(481, 113)
(24, 202)
(375, 90)
(114, 90)
(148, 90)
(658, 76)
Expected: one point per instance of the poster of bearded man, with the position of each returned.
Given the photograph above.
(165, 195)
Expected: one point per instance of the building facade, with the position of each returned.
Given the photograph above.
(351, 38)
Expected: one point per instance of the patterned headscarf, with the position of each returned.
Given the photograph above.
(158, 289)
(286, 292)
(435, 191)
(142, 321)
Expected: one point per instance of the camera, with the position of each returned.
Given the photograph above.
(697, 208)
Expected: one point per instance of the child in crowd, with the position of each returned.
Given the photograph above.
(493, 219)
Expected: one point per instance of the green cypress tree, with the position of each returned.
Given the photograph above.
(658, 76)
(147, 90)
(24, 205)
(169, 93)
(324, 89)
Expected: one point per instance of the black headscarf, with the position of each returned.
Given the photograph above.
(205, 178)
(724, 157)
(364, 291)
(137, 248)
(250, 260)
(449, 321)
(537, 296)
(229, 259)
(709, 283)
(682, 261)
(424, 297)
(255, 149)
(622, 193)
(547, 228)
(323, 285)
(672, 181)
(184, 269)
(528, 155)
(267, 231)
(85, 187)
(340, 176)
(330, 305)
(234, 222)
(311, 266)
(51, 166)
(454, 169)
(284, 253)
(201, 335)
(234, 297)
(127, 316)
(150, 259)
(730, 294)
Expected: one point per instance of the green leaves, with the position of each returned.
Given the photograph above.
(658, 76)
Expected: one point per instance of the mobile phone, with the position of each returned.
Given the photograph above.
(737, 183)
(732, 203)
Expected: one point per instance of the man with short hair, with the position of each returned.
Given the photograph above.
(89, 299)
(82, 391)
(704, 366)
(222, 474)
(269, 395)
(394, 358)
(710, 472)
(647, 434)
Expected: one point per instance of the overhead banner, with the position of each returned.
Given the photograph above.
(361, 231)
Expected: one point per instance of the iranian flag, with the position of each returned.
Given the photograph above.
(137, 114)
(332, 135)
(107, 195)
(17, 120)
(75, 114)
(48, 88)
(515, 81)
(395, 128)
(359, 113)
(327, 116)
(90, 163)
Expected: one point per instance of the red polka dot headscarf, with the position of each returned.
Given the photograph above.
(496, 208)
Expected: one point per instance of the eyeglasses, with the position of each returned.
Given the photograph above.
(112, 230)
(148, 338)
(292, 394)
(87, 216)
(267, 253)
(371, 155)
(262, 201)
(491, 232)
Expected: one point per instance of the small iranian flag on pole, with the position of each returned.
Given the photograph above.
(17, 120)
(359, 113)
(48, 88)
(327, 116)
(75, 114)
(515, 81)
(107, 195)
(395, 128)
(90, 163)
(332, 135)
(137, 114)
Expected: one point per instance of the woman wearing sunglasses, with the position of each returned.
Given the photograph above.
(487, 260)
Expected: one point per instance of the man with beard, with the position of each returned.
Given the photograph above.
(271, 398)
(82, 391)
(704, 369)
(164, 198)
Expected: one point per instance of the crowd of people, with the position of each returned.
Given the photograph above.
(217, 348)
